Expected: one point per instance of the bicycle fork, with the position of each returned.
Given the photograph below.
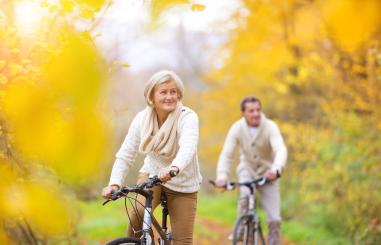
(255, 220)
(163, 200)
(147, 220)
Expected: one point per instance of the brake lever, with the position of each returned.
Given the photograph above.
(212, 182)
(105, 202)
(229, 185)
(114, 196)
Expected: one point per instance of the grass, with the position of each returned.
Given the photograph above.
(100, 223)
(313, 230)
(220, 207)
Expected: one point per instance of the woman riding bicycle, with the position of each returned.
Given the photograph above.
(167, 132)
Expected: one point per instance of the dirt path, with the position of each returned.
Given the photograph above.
(209, 232)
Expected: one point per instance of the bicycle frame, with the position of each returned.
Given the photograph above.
(250, 185)
(149, 220)
(252, 210)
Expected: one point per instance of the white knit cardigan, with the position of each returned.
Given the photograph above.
(189, 178)
(266, 150)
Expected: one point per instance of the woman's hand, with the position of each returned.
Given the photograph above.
(106, 192)
(164, 174)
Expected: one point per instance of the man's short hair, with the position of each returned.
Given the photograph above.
(249, 99)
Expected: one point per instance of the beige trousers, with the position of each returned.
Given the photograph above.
(270, 196)
(181, 208)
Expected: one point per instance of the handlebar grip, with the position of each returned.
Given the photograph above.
(114, 195)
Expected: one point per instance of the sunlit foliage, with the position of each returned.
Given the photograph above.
(54, 123)
(316, 67)
(53, 127)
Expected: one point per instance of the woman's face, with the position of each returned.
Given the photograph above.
(165, 96)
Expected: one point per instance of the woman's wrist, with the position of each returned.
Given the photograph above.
(115, 185)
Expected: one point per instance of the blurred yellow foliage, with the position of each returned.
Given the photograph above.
(44, 209)
(198, 7)
(53, 124)
(61, 109)
(159, 6)
(351, 23)
(315, 65)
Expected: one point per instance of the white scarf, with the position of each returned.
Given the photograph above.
(162, 141)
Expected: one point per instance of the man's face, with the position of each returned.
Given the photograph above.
(252, 113)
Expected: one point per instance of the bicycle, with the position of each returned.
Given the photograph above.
(165, 237)
(248, 222)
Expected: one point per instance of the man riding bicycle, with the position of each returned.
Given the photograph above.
(262, 153)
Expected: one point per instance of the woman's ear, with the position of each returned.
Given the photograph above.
(179, 95)
(150, 98)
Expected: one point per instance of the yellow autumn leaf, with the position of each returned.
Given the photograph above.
(94, 4)
(67, 5)
(198, 7)
(160, 6)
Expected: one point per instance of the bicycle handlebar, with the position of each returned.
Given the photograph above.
(230, 185)
(149, 183)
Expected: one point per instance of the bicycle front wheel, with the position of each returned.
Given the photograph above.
(126, 241)
(248, 231)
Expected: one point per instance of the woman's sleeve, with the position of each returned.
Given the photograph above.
(188, 141)
(126, 154)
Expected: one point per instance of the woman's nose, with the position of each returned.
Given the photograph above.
(168, 96)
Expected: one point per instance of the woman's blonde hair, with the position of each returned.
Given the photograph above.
(160, 78)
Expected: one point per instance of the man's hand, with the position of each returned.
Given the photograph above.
(164, 174)
(106, 192)
(271, 175)
(221, 183)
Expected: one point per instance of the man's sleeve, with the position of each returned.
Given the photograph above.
(227, 155)
(279, 149)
